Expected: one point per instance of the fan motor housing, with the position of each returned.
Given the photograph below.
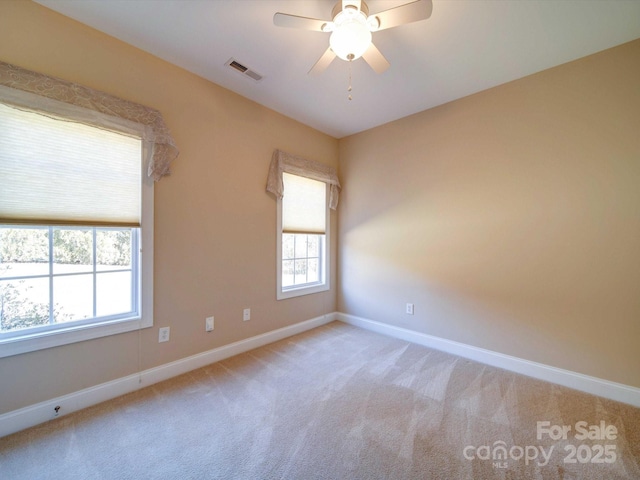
(364, 8)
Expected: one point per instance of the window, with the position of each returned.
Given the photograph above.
(76, 227)
(55, 275)
(301, 187)
(303, 237)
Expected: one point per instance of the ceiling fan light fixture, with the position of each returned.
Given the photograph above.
(351, 35)
(351, 29)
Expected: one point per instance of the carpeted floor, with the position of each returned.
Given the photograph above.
(342, 403)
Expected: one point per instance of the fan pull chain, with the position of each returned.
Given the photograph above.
(349, 89)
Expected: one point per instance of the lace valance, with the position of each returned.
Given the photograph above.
(164, 150)
(285, 162)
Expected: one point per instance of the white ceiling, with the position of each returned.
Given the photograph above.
(465, 47)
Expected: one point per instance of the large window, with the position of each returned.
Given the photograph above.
(76, 227)
(303, 237)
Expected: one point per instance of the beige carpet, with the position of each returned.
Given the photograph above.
(334, 403)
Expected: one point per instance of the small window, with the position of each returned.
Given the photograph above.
(303, 237)
(76, 228)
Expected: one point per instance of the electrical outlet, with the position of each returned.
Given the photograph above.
(246, 314)
(409, 309)
(163, 334)
(208, 324)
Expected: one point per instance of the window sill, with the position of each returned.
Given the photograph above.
(298, 292)
(32, 342)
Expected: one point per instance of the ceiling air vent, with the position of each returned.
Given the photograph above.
(245, 71)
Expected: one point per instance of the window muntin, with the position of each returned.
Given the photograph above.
(303, 233)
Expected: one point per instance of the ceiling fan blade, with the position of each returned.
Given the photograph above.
(407, 13)
(324, 61)
(293, 21)
(375, 59)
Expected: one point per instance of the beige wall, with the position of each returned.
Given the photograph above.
(215, 225)
(510, 218)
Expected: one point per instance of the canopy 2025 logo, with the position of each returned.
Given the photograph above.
(593, 452)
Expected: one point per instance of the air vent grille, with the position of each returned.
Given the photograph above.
(243, 70)
(238, 66)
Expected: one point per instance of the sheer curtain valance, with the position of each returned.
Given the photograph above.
(285, 162)
(36, 85)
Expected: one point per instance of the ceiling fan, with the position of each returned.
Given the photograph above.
(351, 27)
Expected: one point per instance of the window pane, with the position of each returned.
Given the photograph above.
(314, 245)
(69, 293)
(300, 272)
(301, 246)
(287, 246)
(305, 267)
(72, 250)
(24, 303)
(312, 270)
(113, 292)
(72, 298)
(24, 251)
(287, 273)
(113, 249)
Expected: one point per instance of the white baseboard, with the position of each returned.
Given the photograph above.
(26, 417)
(585, 383)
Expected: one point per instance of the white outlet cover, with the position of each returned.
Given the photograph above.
(209, 324)
(163, 334)
(246, 314)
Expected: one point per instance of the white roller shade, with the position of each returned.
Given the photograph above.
(54, 171)
(304, 205)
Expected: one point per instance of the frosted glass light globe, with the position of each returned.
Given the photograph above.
(351, 37)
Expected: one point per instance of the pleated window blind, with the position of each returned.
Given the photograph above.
(304, 205)
(54, 171)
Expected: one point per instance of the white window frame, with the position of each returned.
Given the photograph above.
(297, 291)
(29, 342)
